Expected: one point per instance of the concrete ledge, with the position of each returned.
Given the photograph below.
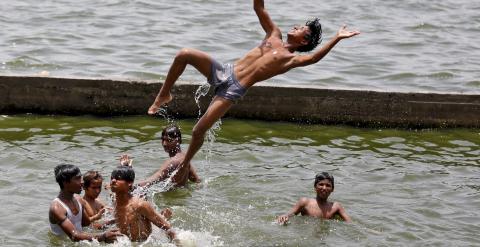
(265, 101)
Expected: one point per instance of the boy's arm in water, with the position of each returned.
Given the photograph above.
(265, 20)
(341, 211)
(58, 215)
(85, 218)
(193, 176)
(91, 217)
(296, 209)
(147, 211)
(160, 175)
(304, 60)
(97, 216)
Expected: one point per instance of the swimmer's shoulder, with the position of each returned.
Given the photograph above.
(305, 200)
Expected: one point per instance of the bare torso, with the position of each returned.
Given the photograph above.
(265, 61)
(92, 207)
(131, 222)
(327, 210)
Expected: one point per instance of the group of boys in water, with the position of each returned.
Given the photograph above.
(133, 215)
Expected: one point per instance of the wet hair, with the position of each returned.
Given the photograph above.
(124, 173)
(315, 36)
(65, 173)
(89, 176)
(324, 175)
(173, 132)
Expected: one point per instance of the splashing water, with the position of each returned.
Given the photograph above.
(150, 191)
(201, 91)
(163, 112)
(210, 139)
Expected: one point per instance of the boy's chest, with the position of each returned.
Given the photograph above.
(319, 212)
(125, 215)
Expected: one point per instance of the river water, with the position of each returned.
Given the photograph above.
(401, 188)
(406, 46)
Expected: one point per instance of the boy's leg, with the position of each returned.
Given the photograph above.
(198, 59)
(215, 111)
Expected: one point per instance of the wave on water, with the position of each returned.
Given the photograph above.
(28, 62)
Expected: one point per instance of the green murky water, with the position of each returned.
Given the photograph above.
(400, 187)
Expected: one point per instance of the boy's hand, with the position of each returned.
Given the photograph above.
(99, 214)
(125, 160)
(171, 234)
(343, 33)
(111, 236)
(282, 219)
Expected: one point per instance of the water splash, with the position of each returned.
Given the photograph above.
(210, 139)
(149, 192)
(202, 90)
(163, 112)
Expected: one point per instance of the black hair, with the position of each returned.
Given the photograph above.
(89, 176)
(124, 173)
(64, 173)
(315, 36)
(172, 131)
(324, 175)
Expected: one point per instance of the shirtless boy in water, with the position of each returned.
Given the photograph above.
(92, 184)
(134, 216)
(231, 81)
(319, 207)
(171, 140)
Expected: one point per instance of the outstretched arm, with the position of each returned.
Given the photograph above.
(265, 20)
(157, 177)
(305, 60)
(157, 219)
(297, 208)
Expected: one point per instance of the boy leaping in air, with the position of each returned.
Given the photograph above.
(231, 81)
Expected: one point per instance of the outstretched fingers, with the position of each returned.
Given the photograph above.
(344, 33)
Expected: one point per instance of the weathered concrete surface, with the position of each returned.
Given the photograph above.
(263, 102)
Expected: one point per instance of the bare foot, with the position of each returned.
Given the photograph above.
(167, 213)
(159, 101)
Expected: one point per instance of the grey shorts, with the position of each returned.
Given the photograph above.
(225, 83)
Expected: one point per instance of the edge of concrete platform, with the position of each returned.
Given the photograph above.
(265, 101)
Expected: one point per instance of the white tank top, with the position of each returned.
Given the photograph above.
(75, 219)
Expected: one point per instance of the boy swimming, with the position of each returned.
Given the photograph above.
(319, 207)
(92, 184)
(134, 216)
(171, 140)
(231, 81)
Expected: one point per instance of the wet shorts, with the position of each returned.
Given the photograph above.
(225, 83)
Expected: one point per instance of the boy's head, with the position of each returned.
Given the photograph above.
(324, 184)
(68, 176)
(92, 183)
(122, 176)
(324, 175)
(311, 35)
(171, 138)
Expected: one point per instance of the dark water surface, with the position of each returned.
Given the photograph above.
(404, 46)
(401, 188)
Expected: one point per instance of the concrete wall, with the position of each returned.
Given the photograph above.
(263, 101)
